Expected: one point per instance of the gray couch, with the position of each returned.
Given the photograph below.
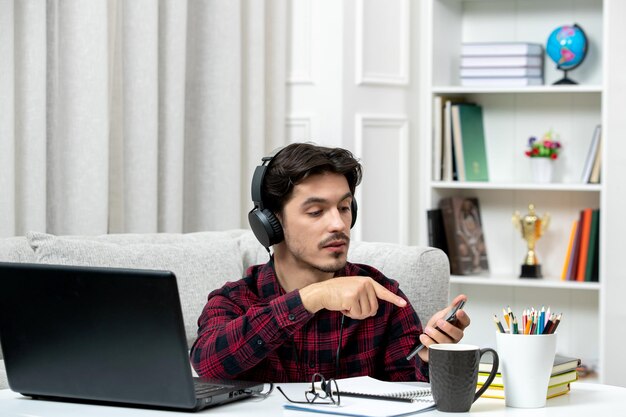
(205, 260)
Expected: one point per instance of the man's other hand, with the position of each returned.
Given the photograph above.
(438, 330)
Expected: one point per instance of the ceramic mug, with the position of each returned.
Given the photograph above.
(453, 372)
(527, 361)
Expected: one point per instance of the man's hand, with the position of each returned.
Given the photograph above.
(446, 332)
(355, 297)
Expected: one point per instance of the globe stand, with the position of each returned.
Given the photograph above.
(565, 80)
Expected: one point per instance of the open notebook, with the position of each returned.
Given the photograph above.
(369, 397)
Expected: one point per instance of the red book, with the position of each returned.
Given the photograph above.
(584, 244)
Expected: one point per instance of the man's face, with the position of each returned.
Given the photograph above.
(316, 221)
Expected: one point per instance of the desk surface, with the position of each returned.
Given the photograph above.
(584, 399)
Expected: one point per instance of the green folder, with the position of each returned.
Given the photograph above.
(592, 252)
(473, 139)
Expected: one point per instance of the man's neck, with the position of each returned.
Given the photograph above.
(294, 275)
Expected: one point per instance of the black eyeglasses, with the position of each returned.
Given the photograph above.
(328, 394)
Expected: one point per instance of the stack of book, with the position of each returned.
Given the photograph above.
(582, 257)
(563, 373)
(509, 64)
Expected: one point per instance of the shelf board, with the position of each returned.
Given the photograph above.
(469, 185)
(551, 89)
(508, 281)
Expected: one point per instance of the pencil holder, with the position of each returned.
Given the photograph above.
(526, 362)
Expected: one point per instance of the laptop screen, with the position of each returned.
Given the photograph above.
(101, 334)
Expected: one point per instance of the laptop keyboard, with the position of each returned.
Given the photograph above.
(205, 389)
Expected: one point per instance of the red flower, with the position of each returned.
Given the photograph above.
(527, 153)
(553, 156)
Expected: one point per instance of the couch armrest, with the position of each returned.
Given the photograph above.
(423, 272)
(4, 384)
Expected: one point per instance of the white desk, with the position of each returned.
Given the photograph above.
(584, 400)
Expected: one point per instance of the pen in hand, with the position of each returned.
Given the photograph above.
(415, 351)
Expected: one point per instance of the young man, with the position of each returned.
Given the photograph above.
(308, 310)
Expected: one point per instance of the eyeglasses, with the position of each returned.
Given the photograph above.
(328, 394)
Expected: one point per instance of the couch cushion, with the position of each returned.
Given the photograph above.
(16, 249)
(252, 252)
(200, 265)
(422, 272)
(3, 376)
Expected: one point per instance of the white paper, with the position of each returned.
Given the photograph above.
(362, 407)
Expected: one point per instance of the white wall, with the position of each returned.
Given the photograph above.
(352, 83)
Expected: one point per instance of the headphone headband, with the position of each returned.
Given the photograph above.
(257, 183)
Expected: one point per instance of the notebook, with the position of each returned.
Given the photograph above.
(365, 396)
(101, 335)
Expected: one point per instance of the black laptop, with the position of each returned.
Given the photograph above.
(101, 335)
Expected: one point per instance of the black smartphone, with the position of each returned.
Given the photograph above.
(450, 318)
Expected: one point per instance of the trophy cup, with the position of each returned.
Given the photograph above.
(532, 228)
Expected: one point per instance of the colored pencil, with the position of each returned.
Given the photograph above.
(498, 324)
(506, 318)
(532, 321)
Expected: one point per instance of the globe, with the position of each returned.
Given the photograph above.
(567, 47)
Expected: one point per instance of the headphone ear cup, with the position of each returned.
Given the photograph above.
(265, 227)
(277, 228)
(353, 208)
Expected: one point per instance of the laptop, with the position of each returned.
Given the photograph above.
(102, 335)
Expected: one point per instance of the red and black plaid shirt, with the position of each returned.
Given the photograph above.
(252, 330)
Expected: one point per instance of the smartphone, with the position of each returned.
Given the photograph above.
(450, 318)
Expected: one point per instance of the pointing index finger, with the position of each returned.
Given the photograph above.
(384, 294)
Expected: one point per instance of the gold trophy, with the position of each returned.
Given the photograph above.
(532, 228)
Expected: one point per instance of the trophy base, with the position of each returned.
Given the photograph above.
(531, 271)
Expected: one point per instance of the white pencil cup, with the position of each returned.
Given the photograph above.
(526, 363)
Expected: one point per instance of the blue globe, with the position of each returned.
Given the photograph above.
(567, 46)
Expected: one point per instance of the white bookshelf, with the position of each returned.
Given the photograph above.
(511, 116)
(514, 186)
(513, 281)
(551, 89)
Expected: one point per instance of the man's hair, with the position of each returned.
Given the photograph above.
(298, 161)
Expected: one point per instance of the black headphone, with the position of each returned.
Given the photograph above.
(263, 222)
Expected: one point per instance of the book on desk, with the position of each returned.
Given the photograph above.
(563, 373)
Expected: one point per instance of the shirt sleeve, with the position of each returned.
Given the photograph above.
(232, 340)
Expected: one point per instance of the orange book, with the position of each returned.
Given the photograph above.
(568, 255)
(584, 244)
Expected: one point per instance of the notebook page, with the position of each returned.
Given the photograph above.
(362, 407)
(365, 407)
(369, 385)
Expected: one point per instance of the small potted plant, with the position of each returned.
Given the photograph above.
(542, 154)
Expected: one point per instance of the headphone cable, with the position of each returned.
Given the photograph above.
(343, 317)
